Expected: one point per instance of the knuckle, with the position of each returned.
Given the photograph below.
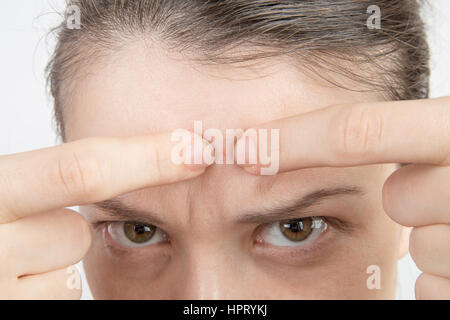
(63, 284)
(154, 158)
(415, 248)
(430, 287)
(79, 172)
(419, 287)
(358, 132)
(6, 186)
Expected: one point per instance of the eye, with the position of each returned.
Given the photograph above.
(135, 234)
(295, 232)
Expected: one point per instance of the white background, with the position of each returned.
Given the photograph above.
(26, 109)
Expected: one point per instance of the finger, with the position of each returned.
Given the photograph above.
(429, 247)
(418, 195)
(86, 171)
(430, 287)
(43, 243)
(64, 284)
(360, 134)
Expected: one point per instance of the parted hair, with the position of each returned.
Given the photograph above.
(331, 35)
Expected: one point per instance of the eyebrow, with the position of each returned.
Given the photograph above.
(117, 209)
(292, 209)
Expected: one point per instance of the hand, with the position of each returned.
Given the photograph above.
(414, 132)
(38, 239)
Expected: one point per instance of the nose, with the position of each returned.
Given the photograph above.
(210, 272)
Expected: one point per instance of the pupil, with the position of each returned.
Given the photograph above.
(296, 226)
(297, 230)
(138, 232)
(139, 229)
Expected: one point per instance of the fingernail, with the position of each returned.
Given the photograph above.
(199, 155)
(253, 169)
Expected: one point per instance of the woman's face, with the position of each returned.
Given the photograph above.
(219, 235)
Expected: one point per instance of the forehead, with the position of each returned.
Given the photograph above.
(144, 89)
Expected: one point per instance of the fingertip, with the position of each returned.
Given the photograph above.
(82, 234)
(388, 195)
(195, 153)
(86, 234)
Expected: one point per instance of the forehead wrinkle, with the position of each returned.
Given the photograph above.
(190, 204)
(265, 184)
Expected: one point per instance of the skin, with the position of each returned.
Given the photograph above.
(210, 253)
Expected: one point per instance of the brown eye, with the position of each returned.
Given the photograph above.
(298, 229)
(138, 232)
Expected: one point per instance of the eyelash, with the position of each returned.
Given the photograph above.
(331, 224)
(271, 233)
(116, 248)
(304, 254)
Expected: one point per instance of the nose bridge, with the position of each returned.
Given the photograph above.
(214, 195)
(209, 273)
(209, 266)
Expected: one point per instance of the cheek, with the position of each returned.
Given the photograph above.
(120, 275)
(342, 268)
(341, 274)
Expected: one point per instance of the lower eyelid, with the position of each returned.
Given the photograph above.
(295, 253)
(158, 253)
(296, 256)
(271, 233)
(260, 241)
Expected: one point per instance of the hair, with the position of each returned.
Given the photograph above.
(318, 34)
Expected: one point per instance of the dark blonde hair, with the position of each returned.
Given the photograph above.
(319, 34)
